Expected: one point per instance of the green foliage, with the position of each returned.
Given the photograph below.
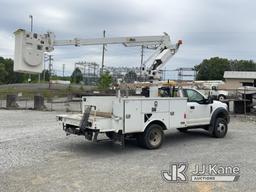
(34, 78)
(209, 69)
(7, 76)
(55, 77)
(45, 75)
(214, 68)
(3, 73)
(105, 81)
(242, 65)
(76, 76)
(130, 77)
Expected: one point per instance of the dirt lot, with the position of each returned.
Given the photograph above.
(35, 155)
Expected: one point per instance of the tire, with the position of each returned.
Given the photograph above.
(182, 130)
(110, 135)
(152, 137)
(221, 97)
(220, 128)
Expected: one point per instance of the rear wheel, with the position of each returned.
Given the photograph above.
(220, 128)
(152, 137)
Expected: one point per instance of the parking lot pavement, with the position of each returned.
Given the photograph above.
(35, 155)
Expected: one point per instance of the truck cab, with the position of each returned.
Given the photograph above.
(199, 107)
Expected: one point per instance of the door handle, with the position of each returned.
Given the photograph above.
(192, 107)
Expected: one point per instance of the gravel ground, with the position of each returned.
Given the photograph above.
(35, 155)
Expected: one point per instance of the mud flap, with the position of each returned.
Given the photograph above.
(91, 135)
(84, 121)
(122, 141)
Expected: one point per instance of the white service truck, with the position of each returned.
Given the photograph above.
(144, 118)
(211, 88)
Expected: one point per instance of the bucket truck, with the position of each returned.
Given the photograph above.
(143, 118)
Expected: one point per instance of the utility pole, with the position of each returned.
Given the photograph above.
(31, 29)
(141, 60)
(50, 70)
(103, 53)
(31, 22)
(45, 59)
(63, 70)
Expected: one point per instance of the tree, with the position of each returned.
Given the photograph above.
(243, 65)
(45, 75)
(7, 75)
(212, 69)
(105, 81)
(130, 77)
(76, 76)
(3, 73)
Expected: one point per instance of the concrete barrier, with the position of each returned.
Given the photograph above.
(39, 102)
(11, 101)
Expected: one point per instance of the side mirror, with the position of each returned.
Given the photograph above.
(207, 101)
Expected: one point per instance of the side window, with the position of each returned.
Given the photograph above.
(192, 95)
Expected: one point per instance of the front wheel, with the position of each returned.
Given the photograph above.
(221, 97)
(220, 128)
(152, 137)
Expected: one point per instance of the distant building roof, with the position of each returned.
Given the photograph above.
(240, 75)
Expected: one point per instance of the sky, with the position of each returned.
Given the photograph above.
(208, 28)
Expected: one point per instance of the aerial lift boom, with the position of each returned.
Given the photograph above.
(30, 47)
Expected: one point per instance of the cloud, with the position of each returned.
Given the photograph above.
(6, 44)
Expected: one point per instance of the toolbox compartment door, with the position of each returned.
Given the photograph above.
(132, 116)
(178, 113)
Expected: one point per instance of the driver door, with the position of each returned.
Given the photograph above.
(198, 112)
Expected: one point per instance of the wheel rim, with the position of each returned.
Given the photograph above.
(155, 137)
(221, 98)
(221, 128)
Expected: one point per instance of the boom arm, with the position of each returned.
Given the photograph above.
(126, 41)
(30, 47)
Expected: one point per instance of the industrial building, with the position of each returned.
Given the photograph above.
(236, 79)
